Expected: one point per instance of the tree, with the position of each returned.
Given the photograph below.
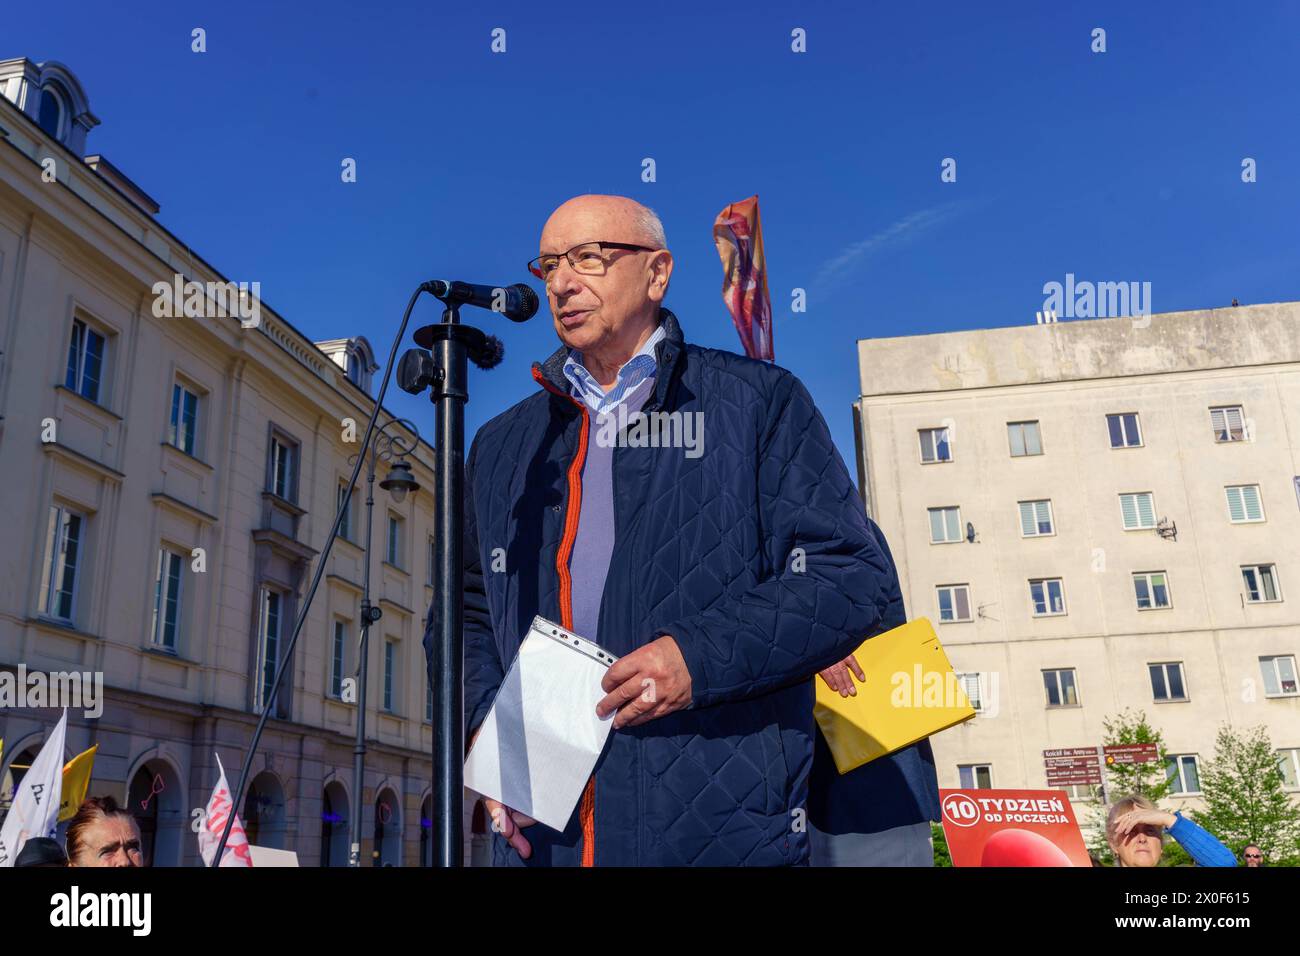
(1245, 799)
(941, 855)
(1149, 779)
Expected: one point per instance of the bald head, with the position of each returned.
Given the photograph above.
(624, 219)
(606, 301)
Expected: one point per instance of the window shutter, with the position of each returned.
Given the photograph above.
(1236, 510)
(1027, 523)
(1146, 511)
(1129, 506)
(1250, 502)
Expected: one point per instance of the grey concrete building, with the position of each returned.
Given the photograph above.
(1097, 515)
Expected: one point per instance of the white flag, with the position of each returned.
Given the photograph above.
(35, 810)
(214, 822)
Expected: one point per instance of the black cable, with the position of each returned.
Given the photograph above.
(238, 795)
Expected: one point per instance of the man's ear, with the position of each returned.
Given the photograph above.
(661, 270)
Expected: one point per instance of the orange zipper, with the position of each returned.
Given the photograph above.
(572, 511)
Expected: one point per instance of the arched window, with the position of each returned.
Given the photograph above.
(388, 830)
(51, 114)
(264, 812)
(334, 826)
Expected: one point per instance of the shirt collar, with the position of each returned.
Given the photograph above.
(637, 369)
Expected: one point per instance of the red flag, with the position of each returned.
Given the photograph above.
(739, 239)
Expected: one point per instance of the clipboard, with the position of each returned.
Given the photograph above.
(910, 693)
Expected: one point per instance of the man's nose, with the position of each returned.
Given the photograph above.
(563, 280)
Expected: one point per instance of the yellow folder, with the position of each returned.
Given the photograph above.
(910, 693)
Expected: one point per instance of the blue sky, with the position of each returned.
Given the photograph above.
(1124, 165)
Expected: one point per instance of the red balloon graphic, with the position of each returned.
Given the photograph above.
(1022, 848)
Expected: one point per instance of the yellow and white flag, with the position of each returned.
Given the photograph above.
(76, 781)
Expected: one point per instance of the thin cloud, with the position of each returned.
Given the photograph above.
(897, 233)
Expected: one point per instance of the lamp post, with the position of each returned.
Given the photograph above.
(386, 447)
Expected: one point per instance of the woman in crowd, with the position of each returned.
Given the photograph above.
(103, 834)
(1135, 829)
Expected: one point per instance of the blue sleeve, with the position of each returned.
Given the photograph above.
(797, 621)
(1201, 845)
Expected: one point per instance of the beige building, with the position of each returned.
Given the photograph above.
(166, 485)
(1097, 515)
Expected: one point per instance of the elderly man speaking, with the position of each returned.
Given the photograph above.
(724, 567)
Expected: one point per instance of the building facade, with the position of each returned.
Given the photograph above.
(166, 485)
(1098, 516)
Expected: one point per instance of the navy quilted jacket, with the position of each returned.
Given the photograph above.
(705, 551)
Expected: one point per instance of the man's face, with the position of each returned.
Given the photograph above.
(595, 311)
(1141, 847)
(110, 841)
(1253, 856)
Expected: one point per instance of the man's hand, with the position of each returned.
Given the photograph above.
(837, 676)
(508, 822)
(650, 682)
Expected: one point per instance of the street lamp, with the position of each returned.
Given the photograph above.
(386, 447)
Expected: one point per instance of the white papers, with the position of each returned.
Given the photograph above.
(541, 738)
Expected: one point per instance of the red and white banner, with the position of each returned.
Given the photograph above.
(739, 238)
(1012, 828)
(214, 822)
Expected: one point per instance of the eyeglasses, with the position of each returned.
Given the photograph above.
(1254, 856)
(587, 258)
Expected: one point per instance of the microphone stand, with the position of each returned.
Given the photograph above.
(450, 344)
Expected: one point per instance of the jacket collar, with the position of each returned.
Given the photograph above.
(668, 353)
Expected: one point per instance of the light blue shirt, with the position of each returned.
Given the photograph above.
(634, 371)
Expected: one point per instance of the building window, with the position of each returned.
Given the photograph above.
(1288, 765)
(390, 657)
(1244, 504)
(1138, 511)
(1024, 439)
(1048, 596)
(50, 115)
(1061, 688)
(1228, 423)
(1279, 676)
(973, 687)
(1123, 430)
(62, 557)
(284, 468)
(945, 525)
(336, 660)
(1167, 681)
(954, 602)
(1183, 773)
(935, 445)
(268, 644)
(975, 776)
(393, 554)
(1036, 518)
(1079, 792)
(1152, 589)
(167, 599)
(183, 428)
(1261, 583)
(85, 361)
(345, 524)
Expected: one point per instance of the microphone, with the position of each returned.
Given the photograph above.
(517, 302)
